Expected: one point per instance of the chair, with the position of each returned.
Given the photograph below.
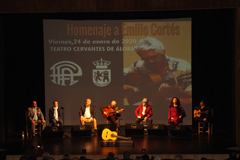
(28, 128)
(118, 121)
(50, 124)
(209, 130)
(88, 124)
(145, 125)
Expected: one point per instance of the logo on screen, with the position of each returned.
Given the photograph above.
(101, 75)
(64, 73)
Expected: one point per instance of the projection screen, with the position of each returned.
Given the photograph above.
(103, 60)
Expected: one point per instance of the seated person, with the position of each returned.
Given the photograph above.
(110, 156)
(202, 114)
(127, 156)
(233, 156)
(112, 118)
(178, 157)
(35, 116)
(176, 112)
(144, 112)
(55, 115)
(87, 114)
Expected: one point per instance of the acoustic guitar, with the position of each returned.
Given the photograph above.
(107, 134)
(147, 84)
(198, 113)
(110, 112)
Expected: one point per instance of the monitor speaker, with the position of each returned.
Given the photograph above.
(53, 132)
(134, 129)
(157, 129)
(81, 130)
(180, 131)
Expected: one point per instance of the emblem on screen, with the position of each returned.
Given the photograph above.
(65, 72)
(101, 75)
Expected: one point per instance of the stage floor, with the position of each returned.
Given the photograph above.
(217, 144)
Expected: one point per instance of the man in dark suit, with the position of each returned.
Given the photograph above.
(87, 114)
(55, 115)
(35, 116)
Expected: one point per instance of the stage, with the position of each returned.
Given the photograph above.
(216, 144)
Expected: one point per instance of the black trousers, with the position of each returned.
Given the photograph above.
(173, 124)
(113, 119)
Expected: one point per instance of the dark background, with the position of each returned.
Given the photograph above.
(213, 53)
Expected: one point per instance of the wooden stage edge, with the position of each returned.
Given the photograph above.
(216, 147)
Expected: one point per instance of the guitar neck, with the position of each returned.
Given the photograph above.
(114, 111)
(111, 112)
(180, 79)
(121, 137)
(196, 111)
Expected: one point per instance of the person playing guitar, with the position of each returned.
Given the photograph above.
(202, 114)
(113, 117)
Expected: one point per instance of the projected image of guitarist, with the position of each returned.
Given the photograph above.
(112, 113)
(202, 113)
(156, 74)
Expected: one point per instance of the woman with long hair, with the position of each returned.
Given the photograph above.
(176, 112)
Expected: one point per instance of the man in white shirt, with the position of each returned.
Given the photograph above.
(144, 112)
(87, 114)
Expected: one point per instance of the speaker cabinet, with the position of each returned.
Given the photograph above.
(157, 129)
(134, 129)
(81, 130)
(180, 131)
(101, 127)
(53, 132)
